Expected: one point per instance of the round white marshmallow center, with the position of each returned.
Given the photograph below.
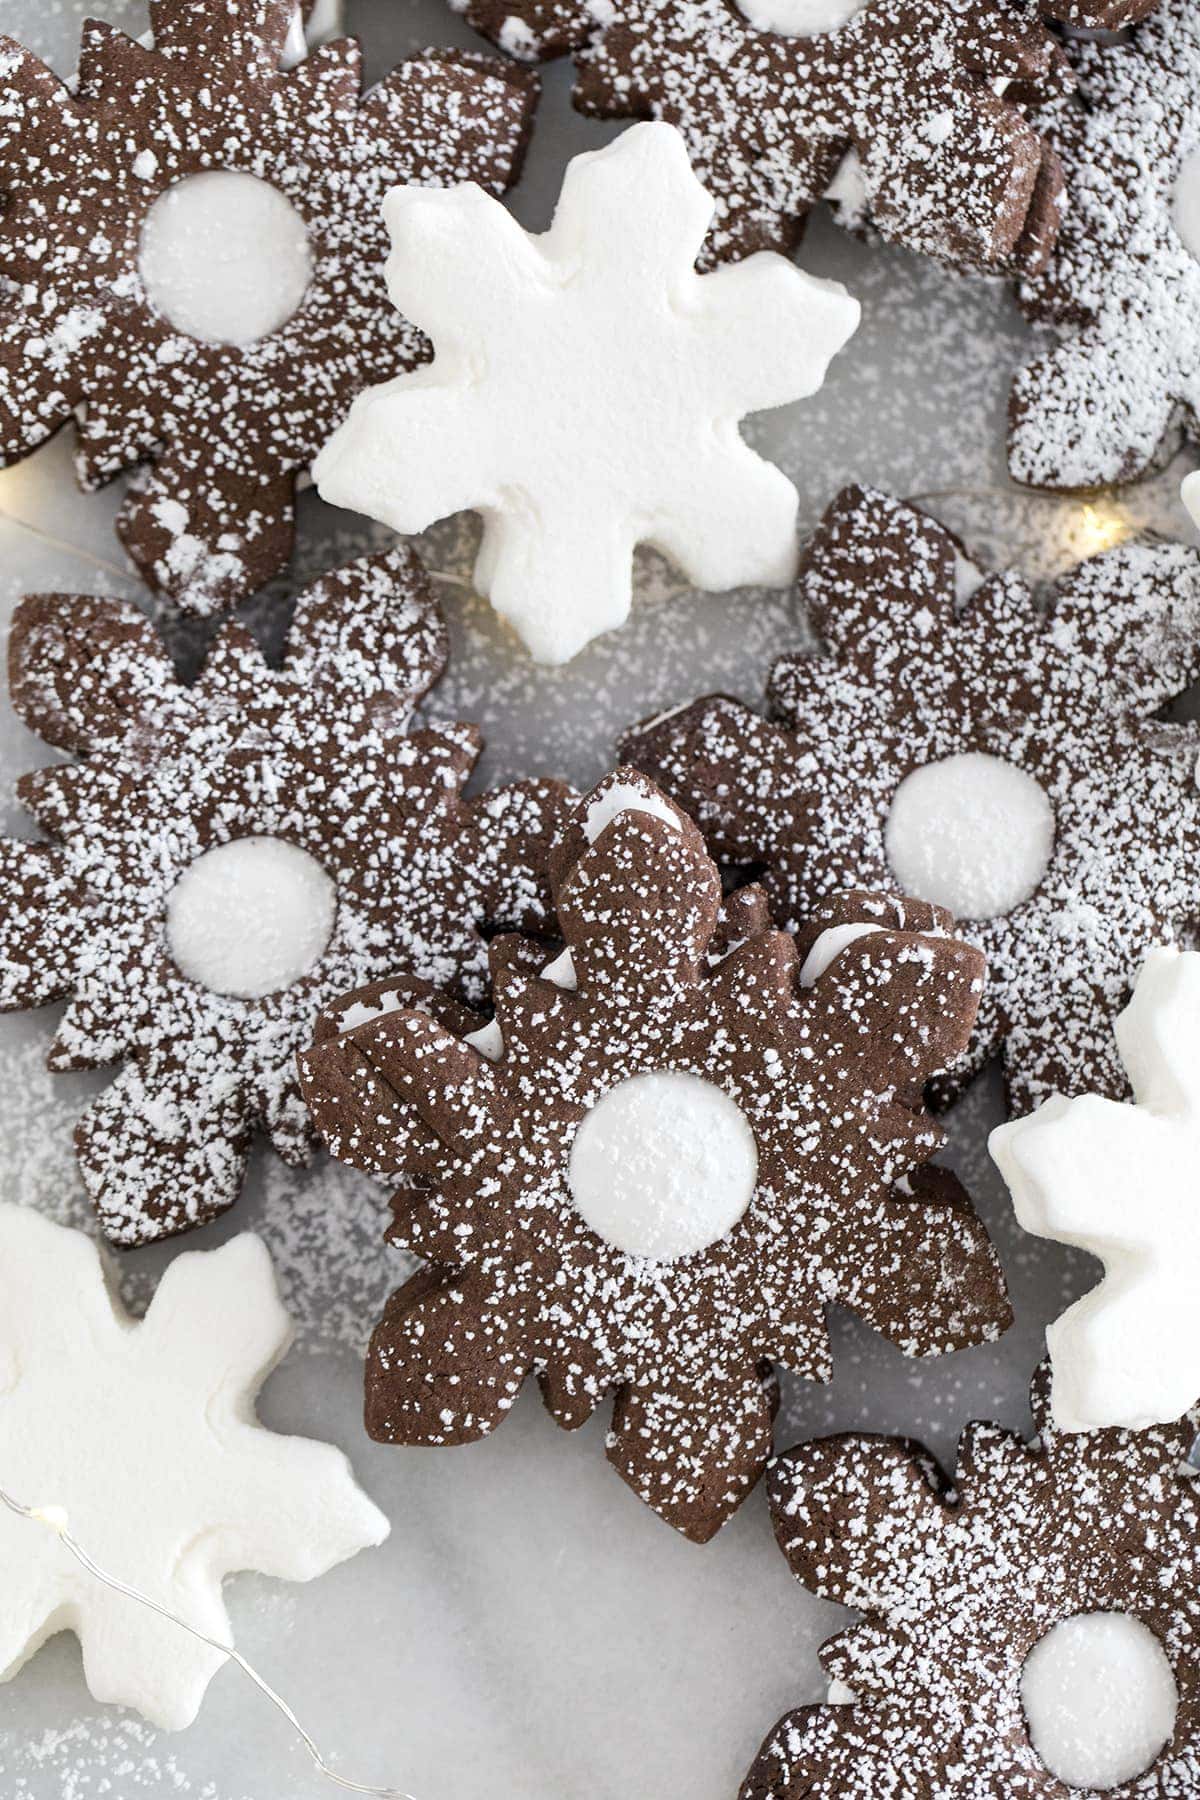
(663, 1165)
(1185, 204)
(800, 18)
(250, 917)
(1099, 1699)
(972, 833)
(224, 257)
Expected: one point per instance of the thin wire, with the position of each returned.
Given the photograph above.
(992, 492)
(56, 543)
(450, 580)
(55, 1520)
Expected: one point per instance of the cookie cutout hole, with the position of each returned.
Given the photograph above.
(972, 833)
(1099, 1699)
(224, 257)
(800, 18)
(250, 917)
(663, 1165)
(1185, 204)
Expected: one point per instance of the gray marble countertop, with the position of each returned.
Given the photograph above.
(530, 1632)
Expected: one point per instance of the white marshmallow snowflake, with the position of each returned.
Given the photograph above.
(1123, 1182)
(144, 1434)
(1189, 493)
(586, 390)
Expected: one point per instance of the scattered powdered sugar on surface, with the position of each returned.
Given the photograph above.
(89, 1757)
(918, 407)
(326, 1229)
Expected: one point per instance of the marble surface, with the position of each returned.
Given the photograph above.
(530, 1632)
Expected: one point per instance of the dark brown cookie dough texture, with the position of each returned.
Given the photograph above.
(957, 1584)
(1121, 292)
(930, 96)
(319, 753)
(913, 675)
(479, 1131)
(219, 430)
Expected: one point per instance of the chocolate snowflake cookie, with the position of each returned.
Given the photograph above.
(676, 1144)
(961, 744)
(233, 855)
(1123, 285)
(908, 113)
(193, 252)
(1028, 1632)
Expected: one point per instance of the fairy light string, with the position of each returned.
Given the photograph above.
(54, 1518)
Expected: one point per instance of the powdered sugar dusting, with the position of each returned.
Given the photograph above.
(1069, 699)
(222, 430)
(313, 757)
(959, 1583)
(1122, 286)
(519, 1280)
(948, 163)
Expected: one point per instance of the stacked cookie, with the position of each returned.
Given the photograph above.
(653, 1074)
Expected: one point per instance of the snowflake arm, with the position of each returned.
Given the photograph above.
(363, 634)
(298, 1510)
(506, 845)
(864, 1569)
(379, 461)
(464, 1350)
(700, 754)
(1055, 1159)
(448, 246)
(174, 524)
(81, 669)
(154, 1130)
(664, 229)
(901, 1255)
(1076, 420)
(804, 319)
(835, 1753)
(1129, 617)
(714, 1424)
(40, 934)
